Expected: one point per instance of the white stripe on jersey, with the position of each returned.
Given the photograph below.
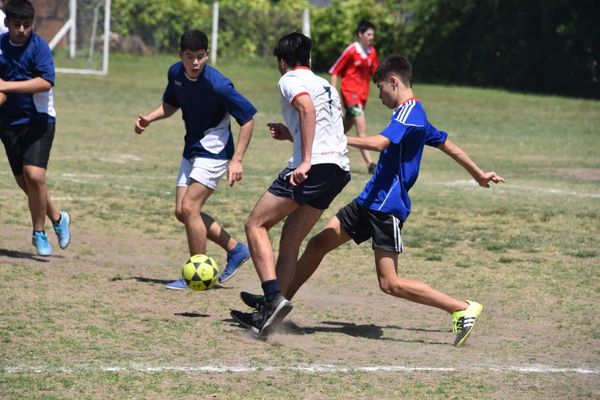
(405, 111)
(340, 57)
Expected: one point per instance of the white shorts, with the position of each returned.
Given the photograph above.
(206, 171)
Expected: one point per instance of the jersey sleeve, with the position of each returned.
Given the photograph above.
(395, 131)
(434, 137)
(169, 94)
(340, 65)
(291, 88)
(236, 104)
(44, 64)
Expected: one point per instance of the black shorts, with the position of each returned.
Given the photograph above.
(27, 145)
(324, 182)
(362, 224)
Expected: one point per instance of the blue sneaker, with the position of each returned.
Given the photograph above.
(61, 228)
(235, 258)
(179, 284)
(40, 241)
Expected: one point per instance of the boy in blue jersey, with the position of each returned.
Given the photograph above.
(27, 119)
(206, 99)
(381, 208)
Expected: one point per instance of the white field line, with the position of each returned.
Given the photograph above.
(522, 189)
(306, 368)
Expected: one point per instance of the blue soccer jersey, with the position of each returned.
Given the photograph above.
(398, 167)
(206, 104)
(20, 63)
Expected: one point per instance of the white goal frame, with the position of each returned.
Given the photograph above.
(70, 27)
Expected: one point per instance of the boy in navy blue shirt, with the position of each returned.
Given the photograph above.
(381, 208)
(207, 99)
(27, 119)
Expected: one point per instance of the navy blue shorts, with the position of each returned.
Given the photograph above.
(362, 223)
(324, 182)
(27, 145)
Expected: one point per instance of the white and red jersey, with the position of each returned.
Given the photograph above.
(355, 67)
(329, 144)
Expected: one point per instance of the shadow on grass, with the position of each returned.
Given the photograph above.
(20, 254)
(191, 315)
(144, 279)
(369, 331)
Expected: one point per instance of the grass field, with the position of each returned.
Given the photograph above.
(94, 321)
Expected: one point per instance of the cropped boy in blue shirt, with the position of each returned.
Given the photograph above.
(207, 99)
(381, 208)
(27, 119)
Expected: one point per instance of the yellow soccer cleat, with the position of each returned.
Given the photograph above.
(463, 322)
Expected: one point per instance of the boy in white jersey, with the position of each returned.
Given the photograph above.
(379, 211)
(317, 171)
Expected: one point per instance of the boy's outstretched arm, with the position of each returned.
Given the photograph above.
(482, 178)
(235, 168)
(373, 143)
(163, 111)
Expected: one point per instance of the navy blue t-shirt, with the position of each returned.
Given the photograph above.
(20, 63)
(398, 166)
(206, 104)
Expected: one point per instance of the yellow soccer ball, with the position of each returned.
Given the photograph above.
(200, 272)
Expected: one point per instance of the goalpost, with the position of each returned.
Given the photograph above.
(87, 20)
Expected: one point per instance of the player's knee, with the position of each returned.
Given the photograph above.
(34, 180)
(188, 210)
(392, 287)
(179, 215)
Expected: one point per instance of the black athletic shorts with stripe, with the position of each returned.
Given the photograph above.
(362, 224)
(27, 145)
(324, 182)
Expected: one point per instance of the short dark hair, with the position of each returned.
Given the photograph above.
(394, 64)
(363, 26)
(19, 9)
(294, 48)
(194, 40)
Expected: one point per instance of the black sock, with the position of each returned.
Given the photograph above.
(271, 289)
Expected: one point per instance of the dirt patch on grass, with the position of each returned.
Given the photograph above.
(580, 174)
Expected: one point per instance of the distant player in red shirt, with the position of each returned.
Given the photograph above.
(356, 65)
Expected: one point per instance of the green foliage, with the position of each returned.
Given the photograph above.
(159, 22)
(542, 46)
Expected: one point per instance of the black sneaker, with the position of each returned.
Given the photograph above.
(247, 320)
(268, 315)
(252, 300)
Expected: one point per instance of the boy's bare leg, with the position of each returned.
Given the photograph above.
(386, 263)
(215, 232)
(34, 185)
(191, 208)
(296, 227)
(331, 237)
(52, 210)
(267, 212)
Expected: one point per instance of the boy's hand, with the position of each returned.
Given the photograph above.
(234, 172)
(300, 174)
(141, 123)
(489, 176)
(2, 98)
(279, 131)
